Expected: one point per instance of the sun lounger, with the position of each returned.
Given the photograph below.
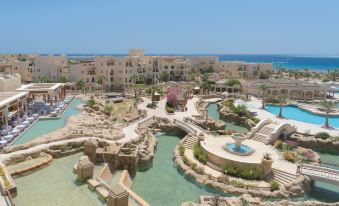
(7, 137)
(15, 131)
(2, 142)
(30, 119)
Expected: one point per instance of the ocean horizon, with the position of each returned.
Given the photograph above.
(297, 62)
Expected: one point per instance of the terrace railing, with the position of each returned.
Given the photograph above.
(184, 126)
(326, 172)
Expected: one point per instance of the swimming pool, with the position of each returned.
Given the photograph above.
(43, 127)
(55, 185)
(294, 112)
(163, 184)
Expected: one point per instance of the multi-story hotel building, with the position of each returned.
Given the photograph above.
(242, 70)
(117, 72)
(112, 73)
(37, 68)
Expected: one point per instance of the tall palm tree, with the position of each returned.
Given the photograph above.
(307, 75)
(282, 100)
(263, 87)
(80, 84)
(328, 106)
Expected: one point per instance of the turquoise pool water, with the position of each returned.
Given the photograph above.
(163, 184)
(243, 148)
(293, 112)
(43, 127)
(55, 185)
(214, 114)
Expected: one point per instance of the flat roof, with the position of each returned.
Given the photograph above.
(8, 97)
(40, 87)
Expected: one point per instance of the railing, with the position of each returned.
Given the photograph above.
(6, 195)
(185, 127)
(328, 171)
(146, 122)
(125, 181)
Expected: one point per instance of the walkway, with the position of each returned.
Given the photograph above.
(320, 173)
(256, 106)
(129, 131)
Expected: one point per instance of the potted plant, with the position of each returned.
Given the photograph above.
(266, 164)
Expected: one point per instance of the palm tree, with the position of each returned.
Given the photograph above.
(307, 75)
(328, 106)
(91, 102)
(100, 80)
(263, 88)
(108, 109)
(80, 84)
(282, 100)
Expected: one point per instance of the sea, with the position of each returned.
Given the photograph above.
(297, 62)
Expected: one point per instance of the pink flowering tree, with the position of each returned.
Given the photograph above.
(172, 95)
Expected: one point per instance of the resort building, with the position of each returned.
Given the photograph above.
(243, 70)
(13, 107)
(9, 82)
(293, 89)
(118, 72)
(203, 62)
(38, 68)
(43, 97)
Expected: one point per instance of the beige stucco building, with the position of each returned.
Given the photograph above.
(38, 68)
(293, 89)
(118, 72)
(242, 70)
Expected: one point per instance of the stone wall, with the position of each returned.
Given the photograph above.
(207, 180)
(219, 161)
(316, 143)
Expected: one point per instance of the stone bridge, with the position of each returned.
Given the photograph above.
(326, 172)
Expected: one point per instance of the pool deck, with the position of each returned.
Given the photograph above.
(255, 105)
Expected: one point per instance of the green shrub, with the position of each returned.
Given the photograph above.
(248, 173)
(322, 135)
(91, 102)
(199, 154)
(186, 161)
(274, 185)
(181, 149)
(287, 147)
(170, 108)
(255, 120)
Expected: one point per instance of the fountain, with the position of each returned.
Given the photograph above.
(238, 148)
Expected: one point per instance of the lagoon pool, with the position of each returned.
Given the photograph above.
(163, 184)
(56, 185)
(293, 112)
(43, 127)
(213, 113)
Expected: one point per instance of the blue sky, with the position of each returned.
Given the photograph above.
(173, 26)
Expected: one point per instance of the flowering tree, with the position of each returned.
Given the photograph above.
(172, 98)
(172, 95)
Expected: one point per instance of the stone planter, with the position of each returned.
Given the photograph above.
(266, 167)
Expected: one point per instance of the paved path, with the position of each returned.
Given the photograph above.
(256, 106)
(129, 131)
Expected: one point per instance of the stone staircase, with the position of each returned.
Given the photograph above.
(263, 133)
(280, 176)
(190, 141)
